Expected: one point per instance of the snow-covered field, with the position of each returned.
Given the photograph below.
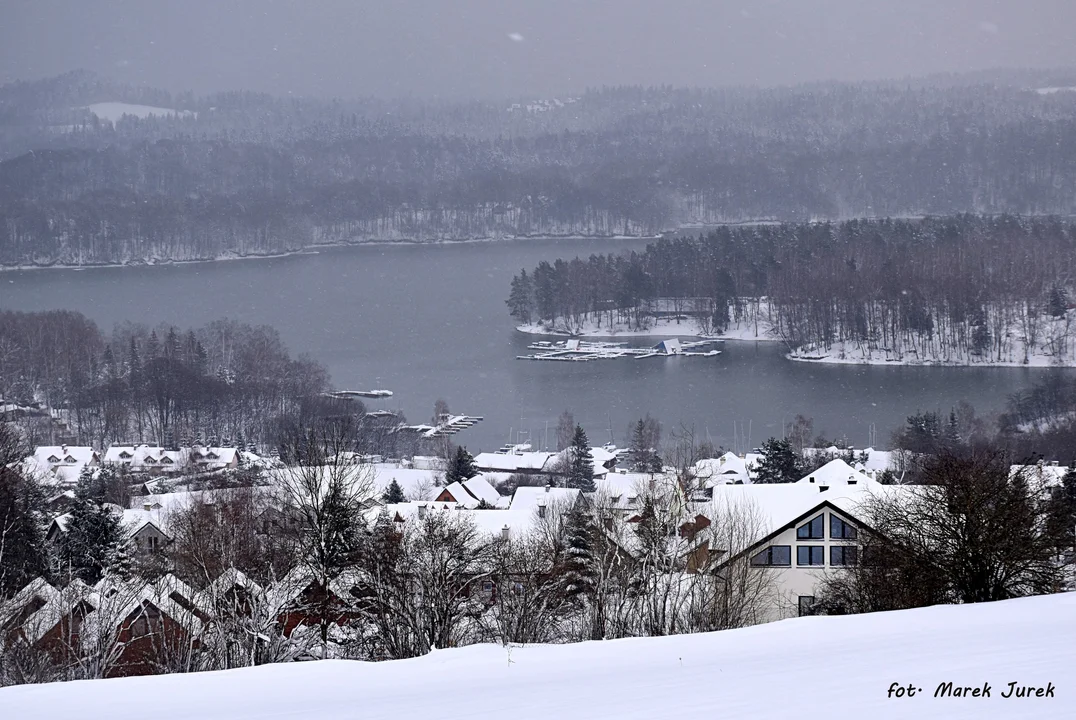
(113, 111)
(811, 667)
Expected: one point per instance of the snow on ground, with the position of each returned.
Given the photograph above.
(810, 667)
(852, 354)
(660, 327)
(113, 111)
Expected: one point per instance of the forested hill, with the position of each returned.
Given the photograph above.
(247, 174)
(957, 290)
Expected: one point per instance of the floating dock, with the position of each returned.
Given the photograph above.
(350, 394)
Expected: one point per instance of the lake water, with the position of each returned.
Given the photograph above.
(430, 321)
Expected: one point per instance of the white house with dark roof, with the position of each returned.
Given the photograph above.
(806, 529)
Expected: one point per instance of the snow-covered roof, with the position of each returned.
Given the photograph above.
(455, 492)
(520, 517)
(38, 588)
(428, 462)
(147, 457)
(777, 505)
(729, 468)
(622, 491)
(135, 520)
(65, 454)
(533, 461)
(214, 457)
(879, 460)
(1045, 475)
(481, 489)
(599, 456)
(169, 594)
(230, 578)
(59, 464)
(835, 472)
(57, 606)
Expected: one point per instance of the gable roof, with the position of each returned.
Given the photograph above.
(783, 506)
(481, 489)
(78, 454)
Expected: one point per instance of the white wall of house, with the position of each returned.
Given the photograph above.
(802, 580)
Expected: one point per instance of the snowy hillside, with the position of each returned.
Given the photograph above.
(113, 111)
(811, 667)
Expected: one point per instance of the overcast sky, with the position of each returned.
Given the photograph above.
(484, 48)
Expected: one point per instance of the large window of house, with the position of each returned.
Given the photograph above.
(775, 555)
(843, 555)
(810, 555)
(812, 530)
(806, 605)
(841, 530)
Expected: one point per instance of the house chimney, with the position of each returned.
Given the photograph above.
(147, 506)
(541, 510)
(812, 479)
(548, 485)
(63, 449)
(422, 510)
(504, 533)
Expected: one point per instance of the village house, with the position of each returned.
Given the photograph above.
(132, 628)
(146, 527)
(61, 465)
(472, 493)
(805, 529)
(162, 461)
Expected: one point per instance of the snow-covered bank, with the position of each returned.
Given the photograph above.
(1030, 340)
(837, 667)
(754, 326)
(114, 111)
(311, 250)
(840, 354)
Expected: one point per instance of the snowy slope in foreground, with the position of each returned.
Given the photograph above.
(810, 667)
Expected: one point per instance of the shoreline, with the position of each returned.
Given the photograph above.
(317, 248)
(744, 335)
(1034, 362)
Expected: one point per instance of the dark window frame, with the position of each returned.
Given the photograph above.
(769, 557)
(807, 530)
(844, 551)
(848, 531)
(811, 552)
